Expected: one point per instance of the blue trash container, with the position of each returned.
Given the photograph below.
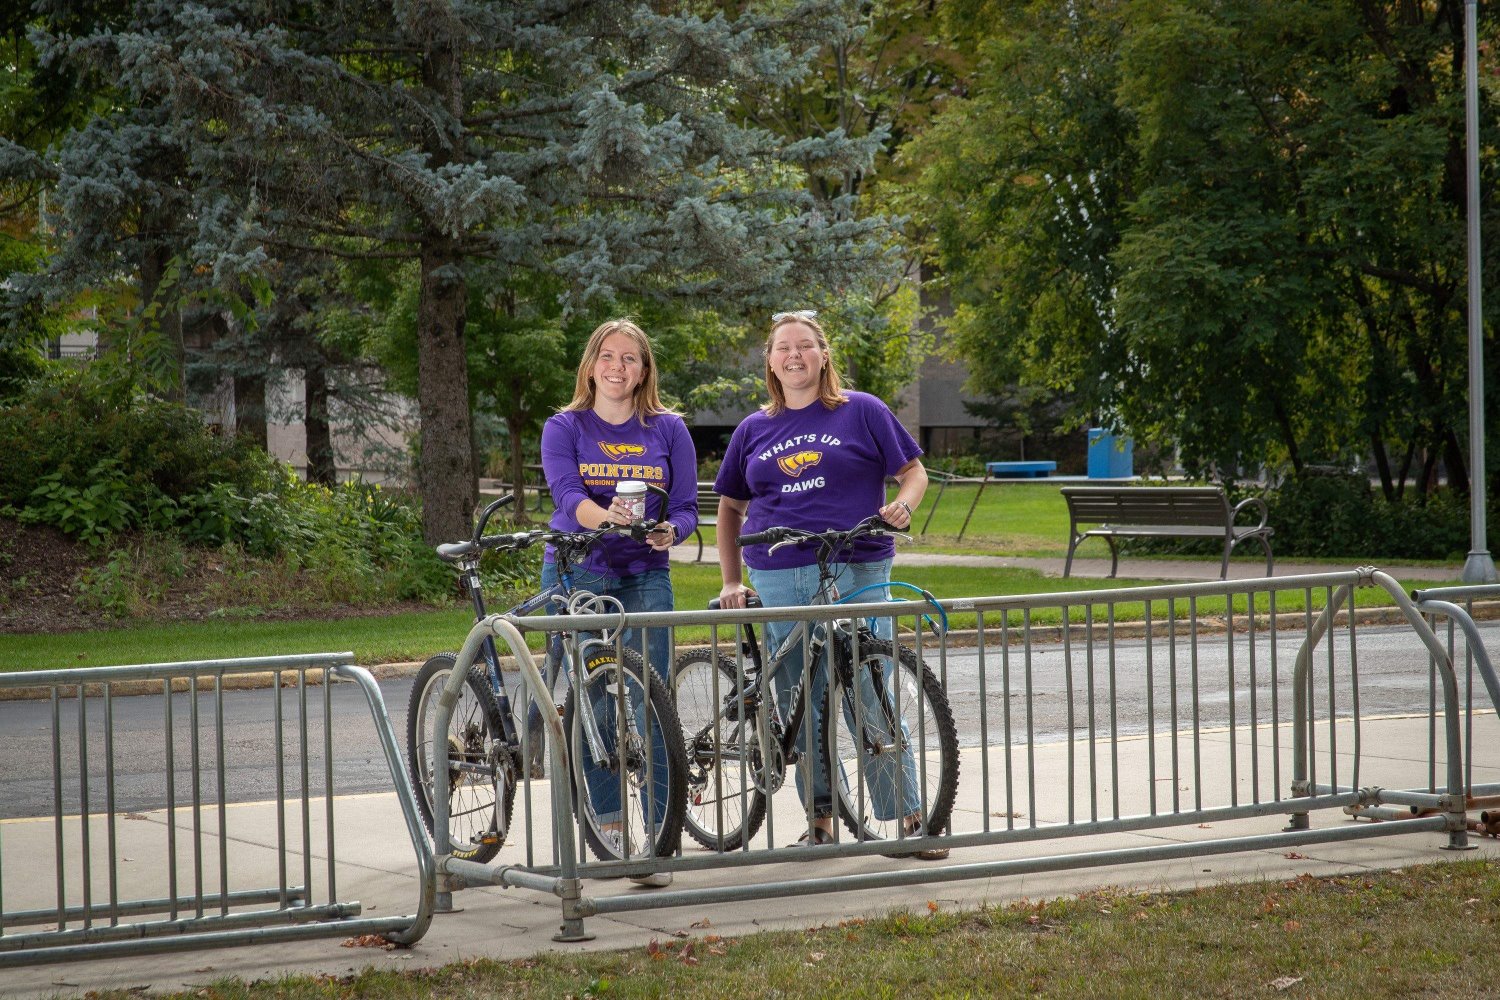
(1110, 457)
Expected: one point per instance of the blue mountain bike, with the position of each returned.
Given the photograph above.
(888, 745)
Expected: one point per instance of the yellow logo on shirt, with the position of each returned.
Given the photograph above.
(793, 465)
(619, 451)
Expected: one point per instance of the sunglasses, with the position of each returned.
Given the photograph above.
(795, 314)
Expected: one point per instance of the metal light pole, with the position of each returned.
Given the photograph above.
(1478, 567)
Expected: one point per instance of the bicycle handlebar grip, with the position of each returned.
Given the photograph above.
(760, 537)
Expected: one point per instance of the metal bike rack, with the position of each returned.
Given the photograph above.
(89, 910)
(1280, 747)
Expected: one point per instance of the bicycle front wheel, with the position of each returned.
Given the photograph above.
(893, 753)
(481, 769)
(625, 754)
(726, 801)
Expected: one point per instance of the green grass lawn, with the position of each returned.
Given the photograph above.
(1425, 931)
(405, 636)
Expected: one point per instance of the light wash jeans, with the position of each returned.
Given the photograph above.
(796, 587)
(648, 591)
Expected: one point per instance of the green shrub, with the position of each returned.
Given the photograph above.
(959, 464)
(87, 453)
(1344, 517)
(87, 437)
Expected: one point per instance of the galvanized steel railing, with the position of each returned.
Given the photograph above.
(186, 889)
(1250, 697)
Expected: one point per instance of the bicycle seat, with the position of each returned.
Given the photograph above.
(454, 551)
(752, 602)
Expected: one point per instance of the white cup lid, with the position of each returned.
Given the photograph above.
(630, 486)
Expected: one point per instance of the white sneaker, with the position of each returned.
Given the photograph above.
(655, 880)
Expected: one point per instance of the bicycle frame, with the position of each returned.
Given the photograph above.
(815, 634)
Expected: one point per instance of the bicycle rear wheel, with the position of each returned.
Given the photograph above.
(888, 769)
(629, 784)
(726, 800)
(481, 768)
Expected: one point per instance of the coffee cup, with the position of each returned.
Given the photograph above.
(633, 492)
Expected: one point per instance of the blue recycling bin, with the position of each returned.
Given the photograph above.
(1110, 457)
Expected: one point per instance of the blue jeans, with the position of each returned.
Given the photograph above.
(796, 587)
(648, 591)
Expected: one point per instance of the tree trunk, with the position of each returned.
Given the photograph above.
(445, 466)
(321, 467)
(1383, 464)
(1429, 474)
(1454, 459)
(168, 322)
(1411, 451)
(514, 428)
(250, 408)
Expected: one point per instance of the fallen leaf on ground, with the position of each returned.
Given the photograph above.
(1286, 982)
(370, 941)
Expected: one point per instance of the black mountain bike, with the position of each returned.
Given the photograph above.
(888, 731)
(629, 778)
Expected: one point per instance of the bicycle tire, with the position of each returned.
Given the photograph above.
(726, 798)
(860, 780)
(603, 675)
(477, 830)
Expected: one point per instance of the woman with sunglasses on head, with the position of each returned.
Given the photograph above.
(816, 456)
(616, 429)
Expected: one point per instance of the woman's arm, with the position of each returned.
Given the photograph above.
(682, 503)
(727, 532)
(560, 467)
(911, 480)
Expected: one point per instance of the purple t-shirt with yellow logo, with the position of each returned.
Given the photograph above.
(816, 469)
(583, 457)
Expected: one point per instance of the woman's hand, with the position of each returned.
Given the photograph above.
(733, 595)
(618, 512)
(662, 537)
(897, 514)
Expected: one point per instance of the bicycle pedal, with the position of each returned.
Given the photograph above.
(489, 838)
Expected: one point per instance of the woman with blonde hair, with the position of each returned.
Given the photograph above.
(615, 429)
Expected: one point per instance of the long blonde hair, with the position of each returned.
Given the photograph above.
(647, 397)
(830, 387)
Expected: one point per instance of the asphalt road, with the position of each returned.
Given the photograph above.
(1069, 691)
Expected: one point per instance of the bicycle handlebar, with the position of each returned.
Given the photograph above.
(572, 541)
(870, 526)
(575, 541)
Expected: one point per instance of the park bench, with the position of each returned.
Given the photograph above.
(1160, 511)
(708, 513)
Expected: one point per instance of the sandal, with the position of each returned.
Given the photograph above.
(814, 837)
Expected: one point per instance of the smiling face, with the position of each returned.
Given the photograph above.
(618, 369)
(796, 358)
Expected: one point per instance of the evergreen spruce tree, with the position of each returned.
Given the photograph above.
(585, 142)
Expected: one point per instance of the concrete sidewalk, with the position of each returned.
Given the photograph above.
(1205, 568)
(376, 866)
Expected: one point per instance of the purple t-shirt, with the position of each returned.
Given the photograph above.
(816, 469)
(583, 457)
